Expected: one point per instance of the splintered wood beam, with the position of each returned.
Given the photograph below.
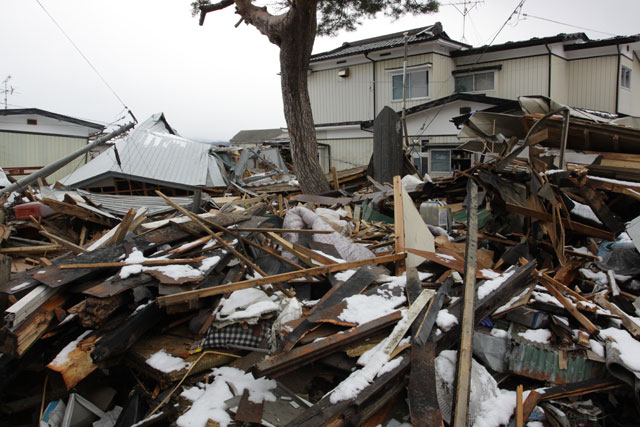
(220, 240)
(123, 227)
(423, 402)
(31, 249)
(277, 278)
(148, 262)
(288, 246)
(463, 371)
(581, 318)
(629, 324)
(67, 244)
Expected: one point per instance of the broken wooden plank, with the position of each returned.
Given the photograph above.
(74, 362)
(148, 262)
(77, 211)
(445, 260)
(31, 249)
(357, 283)
(463, 368)
(282, 363)
(62, 242)
(423, 402)
(277, 278)
(629, 324)
(568, 305)
(398, 217)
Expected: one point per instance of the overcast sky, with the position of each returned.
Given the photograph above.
(216, 80)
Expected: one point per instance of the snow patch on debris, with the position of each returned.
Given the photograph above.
(176, 272)
(628, 347)
(343, 276)
(446, 320)
(541, 336)
(498, 333)
(511, 302)
(63, 356)
(135, 257)
(597, 347)
(365, 308)
(227, 382)
(584, 211)
(164, 362)
(491, 285)
(208, 263)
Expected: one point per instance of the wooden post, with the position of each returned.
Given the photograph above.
(463, 371)
(334, 173)
(519, 407)
(5, 269)
(398, 216)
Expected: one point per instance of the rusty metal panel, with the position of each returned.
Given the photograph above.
(540, 361)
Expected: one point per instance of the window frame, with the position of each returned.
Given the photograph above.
(473, 75)
(624, 70)
(410, 70)
(431, 153)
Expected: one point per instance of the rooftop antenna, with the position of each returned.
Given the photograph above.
(467, 6)
(8, 90)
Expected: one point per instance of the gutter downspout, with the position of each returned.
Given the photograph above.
(373, 67)
(618, 70)
(549, 71)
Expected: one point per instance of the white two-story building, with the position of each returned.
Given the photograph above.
(445, 78)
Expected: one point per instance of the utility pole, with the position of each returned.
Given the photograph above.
(8, 90)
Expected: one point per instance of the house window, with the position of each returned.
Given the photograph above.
(420, 155)
(440, 160)
(625, 77)
(478, 82)
(417, 85)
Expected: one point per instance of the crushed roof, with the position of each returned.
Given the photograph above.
(416, 35)
(61, 117)
(154, 153)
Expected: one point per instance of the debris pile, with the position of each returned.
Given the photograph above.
(507, 293)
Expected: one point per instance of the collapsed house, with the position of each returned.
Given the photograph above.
(507, 293)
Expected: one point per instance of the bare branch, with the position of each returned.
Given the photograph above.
(204, 9)
(268, 24)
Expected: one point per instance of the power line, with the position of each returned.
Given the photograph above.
(568, 25)
(83, 55)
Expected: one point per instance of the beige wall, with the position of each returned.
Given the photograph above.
(521, 76)
(559, 82)
(336, 99)
(349, 153)
(20, 149)
(592, 83)
(627, 103)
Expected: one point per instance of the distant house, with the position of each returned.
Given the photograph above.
(152, 156)
(31, 138)
(351, 84)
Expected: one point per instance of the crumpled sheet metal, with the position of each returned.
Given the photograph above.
(300, 217)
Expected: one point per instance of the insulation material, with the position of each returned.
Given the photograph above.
(300, 217)
(416, 232)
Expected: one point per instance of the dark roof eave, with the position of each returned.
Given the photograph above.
(606, 42)
(61, 117)
(517, 45)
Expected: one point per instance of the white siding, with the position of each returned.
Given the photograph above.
(20, 150)
(592, 83)
(336, 99)
(349, 153)
(627, 103)
(559, 83)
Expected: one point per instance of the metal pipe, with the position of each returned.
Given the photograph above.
(52, 167)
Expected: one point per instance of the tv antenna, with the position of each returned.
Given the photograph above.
(8, 90)
(466, 6)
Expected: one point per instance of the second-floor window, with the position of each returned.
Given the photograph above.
(417, 85)
(478, 82)
(625, 77)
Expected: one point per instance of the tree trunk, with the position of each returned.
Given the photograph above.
(296, 44)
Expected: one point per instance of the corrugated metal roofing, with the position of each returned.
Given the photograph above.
(120, 204)
(540, 361)
(152, 152)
